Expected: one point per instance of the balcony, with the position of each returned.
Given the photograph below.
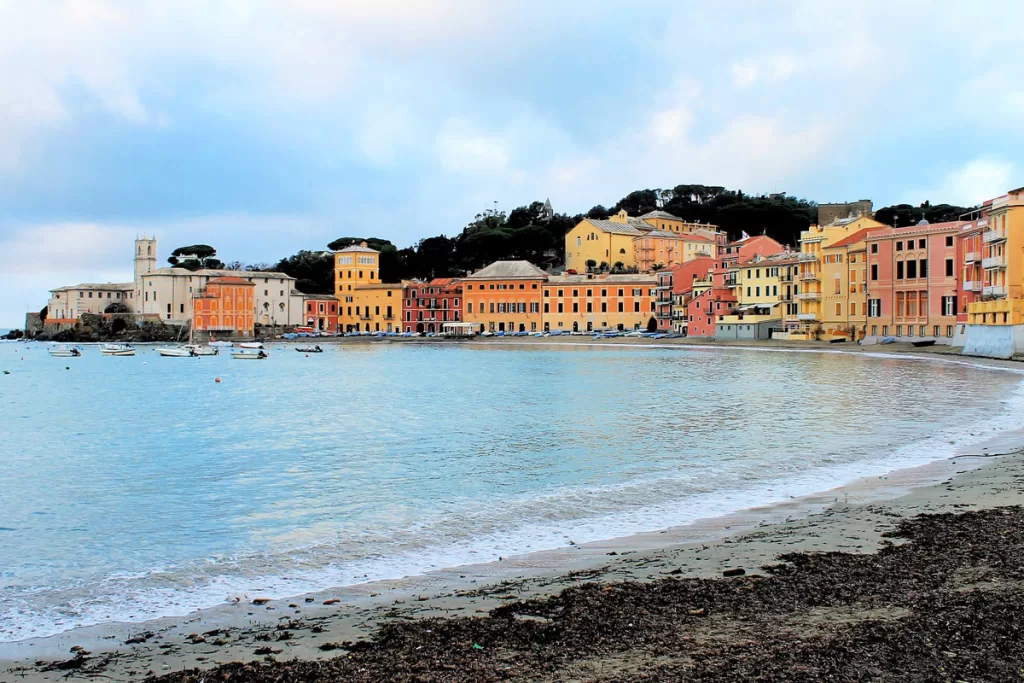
(810, 277)
(994, 290)
(972, 256)
(806, 316)
(972, 286)
(808, 296)
(993, 262)
(703, 282)
(993, 236)
(785, 278)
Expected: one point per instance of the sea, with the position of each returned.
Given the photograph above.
(141, 487)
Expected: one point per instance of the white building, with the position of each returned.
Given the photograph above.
(168, 292)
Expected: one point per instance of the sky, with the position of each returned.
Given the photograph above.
(263, 128)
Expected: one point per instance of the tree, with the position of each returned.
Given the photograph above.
(638, 202)
(902, 215)
(195, 257)
(313, 271)
(43, 313)
(591, 264)
(598, 212)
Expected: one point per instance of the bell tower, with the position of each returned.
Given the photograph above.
(145, 256)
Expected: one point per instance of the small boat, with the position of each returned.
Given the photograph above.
(251, 345)
(924, 342)
(250, 355)
(837, 340)
(888, 340)
(202, 350)
(118, 350)
(65, 352)
(315, 349)
(220, 343)
(176, 352)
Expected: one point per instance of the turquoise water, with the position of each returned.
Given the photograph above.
(139, 487)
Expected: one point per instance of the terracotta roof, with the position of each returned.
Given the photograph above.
(618, 278)
(509, 270)
(882, 233)
(858, 236)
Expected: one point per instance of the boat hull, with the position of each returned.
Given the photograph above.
(175, 353)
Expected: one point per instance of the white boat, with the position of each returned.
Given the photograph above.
(118, 350)
(202, 350)
(220, 343)
(250, 355)
(176, 352)
(64, 352)
(251, 345)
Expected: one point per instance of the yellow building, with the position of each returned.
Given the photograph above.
(806, 323)
(844, 310)
(593, 302)
(366, 303)
(766, 284)
(1002, 265)
(595, 242)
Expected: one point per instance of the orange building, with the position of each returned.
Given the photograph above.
(504, 297)
(227, 306)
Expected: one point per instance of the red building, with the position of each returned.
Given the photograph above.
(321, 312)
(746, 249)
(426, 306)
(675, 284)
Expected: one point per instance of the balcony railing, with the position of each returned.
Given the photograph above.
(810, 277)
(808, 296)
(994, 290)
(971, 256)
(806, 316)
(972, 286)
(993, 262)
(993, 236)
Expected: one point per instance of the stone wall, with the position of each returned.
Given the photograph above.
(830, 212)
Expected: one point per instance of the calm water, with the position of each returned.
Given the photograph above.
(138, 487)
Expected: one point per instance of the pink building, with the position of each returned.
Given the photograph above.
(913, 275)
(746, 249)
(703, 310)
(969, 257)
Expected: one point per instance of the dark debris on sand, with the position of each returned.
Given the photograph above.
(947, 605)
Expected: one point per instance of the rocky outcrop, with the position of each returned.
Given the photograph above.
(120, 327)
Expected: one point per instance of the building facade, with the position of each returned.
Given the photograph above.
(225, 306)
(844, 287)
(912, 281)
(504, 297)
(428, 305)
(67, 304)
(366, 304)
(575, 303)
(321, 312)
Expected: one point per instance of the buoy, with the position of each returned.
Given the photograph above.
(217, 380)
(67, 367)
(307, 355)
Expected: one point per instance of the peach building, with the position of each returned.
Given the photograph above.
(575, 303)
(225, 306)
(504, 297)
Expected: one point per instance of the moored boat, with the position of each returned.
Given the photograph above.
(198, 350)
(65, 352)
(118, 350)
(249, 355)
(176, 352)
(251, 345)
(315, 349)
(924, 342)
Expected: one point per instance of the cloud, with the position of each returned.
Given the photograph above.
(971, 184)
(744, 74)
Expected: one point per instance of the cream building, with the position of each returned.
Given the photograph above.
(167, 292)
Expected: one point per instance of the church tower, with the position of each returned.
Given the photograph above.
(145, 256)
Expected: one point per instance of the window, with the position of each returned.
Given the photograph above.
(874, 271)
(604, 292)
(899, 330)
(575, 307)
(621, 307)
(182, 308)
(899, 246)
(949, 243)
(839, 309)
(922, 244)
(560, 307)
(875, 308)
(874, 330)
(949, 330)
(874, 248)
(923, 265)
(590, 307)
(604, 307)
(469, 307)
(949, 267)
(899, 270)
(948, 305)
(853, 308)
(885, 330)
(590, 292)
(911, 270)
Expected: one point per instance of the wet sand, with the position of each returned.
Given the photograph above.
(849, 520)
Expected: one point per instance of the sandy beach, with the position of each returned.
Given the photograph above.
(319, 627)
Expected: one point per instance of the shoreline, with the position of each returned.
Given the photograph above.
(849, 519)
